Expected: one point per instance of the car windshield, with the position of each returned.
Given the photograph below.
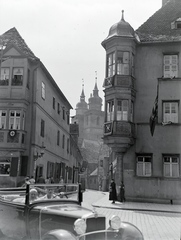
(44, 192)
(41, 192)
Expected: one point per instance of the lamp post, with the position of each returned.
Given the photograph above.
(38, 154)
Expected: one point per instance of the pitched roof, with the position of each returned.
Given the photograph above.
(12, 36)
(158, 26)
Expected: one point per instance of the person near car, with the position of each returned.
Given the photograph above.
(41, 179)
(32, 180)
(112, 191)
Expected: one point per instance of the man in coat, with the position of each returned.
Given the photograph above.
(112, 191)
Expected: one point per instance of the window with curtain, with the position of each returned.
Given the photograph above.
(170, 112)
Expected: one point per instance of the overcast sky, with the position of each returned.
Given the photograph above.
(66, 35)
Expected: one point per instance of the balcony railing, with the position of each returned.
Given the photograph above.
(121, 128)
(4, 82)
(119, 81)
(12, 138)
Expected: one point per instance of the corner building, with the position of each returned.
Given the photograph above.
(34, 118)
(143, 77)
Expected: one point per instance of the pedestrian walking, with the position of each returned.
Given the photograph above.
(112, 191)
(32, 180)
(41, 179)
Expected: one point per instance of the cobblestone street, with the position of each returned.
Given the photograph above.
(154, 224)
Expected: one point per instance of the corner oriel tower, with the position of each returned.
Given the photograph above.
(119, 84)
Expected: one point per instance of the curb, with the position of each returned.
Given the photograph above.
(137, 209)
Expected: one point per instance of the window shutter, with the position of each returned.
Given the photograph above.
(24, 164)
(14, 166)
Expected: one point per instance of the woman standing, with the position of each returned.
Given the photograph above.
(112, 191)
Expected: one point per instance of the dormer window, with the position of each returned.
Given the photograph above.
(176, 24)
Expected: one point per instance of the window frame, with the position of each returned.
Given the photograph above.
(123, 63)
(110, 109)
(122, 115)
(43, 89)
(111, 64)
(58, 138)
(171, 156)
(3, 117)
(19, 80)
(4, 81)
(42, 128)
(170, 65)
(169, 117)
(144, 156)
(53, 103)
(15, 119)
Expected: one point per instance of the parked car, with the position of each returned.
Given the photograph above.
(54, 212)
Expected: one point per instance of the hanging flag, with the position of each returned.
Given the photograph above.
(154, 115)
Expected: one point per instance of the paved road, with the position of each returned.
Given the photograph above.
(154, 224)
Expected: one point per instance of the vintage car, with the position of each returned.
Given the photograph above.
(54, 212)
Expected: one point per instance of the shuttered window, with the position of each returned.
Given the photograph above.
(170, 112)
(170, 66)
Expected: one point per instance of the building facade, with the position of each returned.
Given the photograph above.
(34, 118)
(142, 101)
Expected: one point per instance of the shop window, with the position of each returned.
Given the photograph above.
(171, 165)
(43, 90)
(122, 110)
(3, 119)
(144, 163)
(5, 164)
(170, 112)
(14, 119)
(4, 78)
(17, 79)
(170, 66)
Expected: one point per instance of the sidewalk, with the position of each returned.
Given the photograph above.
(104, 202)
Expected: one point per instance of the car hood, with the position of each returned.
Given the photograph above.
(71, 210)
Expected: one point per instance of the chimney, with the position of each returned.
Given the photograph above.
(164, 2)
